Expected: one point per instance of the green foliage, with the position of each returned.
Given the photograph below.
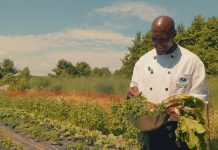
(92, 84)
(213, 84)
(52, 121)
(83, 69)
(46, 83)
(7, 143)
(25, 73)
(141, 45)
(122, 124)
(8, 67)
(191, 132)
(139, 106)
(9, 76)
(104, 87)
(40, 82)
(214, 144)
(29, 115)
(134, 108)
(90, 116)
(15, 82)
(65, 68)
(191, 125)
(180, 28)
(101, 72)
(202, 39)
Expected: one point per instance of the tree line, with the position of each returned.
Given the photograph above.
(81, 69)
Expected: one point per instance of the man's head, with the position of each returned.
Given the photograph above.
(162, 33)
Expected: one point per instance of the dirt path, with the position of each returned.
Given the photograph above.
(26, 142)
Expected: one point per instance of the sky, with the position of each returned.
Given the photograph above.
(38, 33)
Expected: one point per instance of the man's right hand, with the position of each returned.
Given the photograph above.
(133, 91)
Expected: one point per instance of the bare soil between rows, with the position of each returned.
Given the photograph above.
(25, 141)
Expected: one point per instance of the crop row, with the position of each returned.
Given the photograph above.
(83, 126)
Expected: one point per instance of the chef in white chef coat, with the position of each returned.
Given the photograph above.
(167, 70)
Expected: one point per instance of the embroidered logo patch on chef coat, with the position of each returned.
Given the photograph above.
(182, 81)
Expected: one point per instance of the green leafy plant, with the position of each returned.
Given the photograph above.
(191, 125)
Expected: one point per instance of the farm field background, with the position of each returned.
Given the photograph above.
(76, 113)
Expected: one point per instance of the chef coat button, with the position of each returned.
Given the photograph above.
(166, 89)
(152, 71)
(150, 88)
(155, 57)
(149, 68)
(169, 72)
(172, 56)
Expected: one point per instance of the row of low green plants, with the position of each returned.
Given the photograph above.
(88, 125)
(55, 131)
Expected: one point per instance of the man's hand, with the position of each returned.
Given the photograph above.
(173, 113)
(132, 92)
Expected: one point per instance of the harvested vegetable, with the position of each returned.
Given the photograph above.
(191, 125)
(139, 106)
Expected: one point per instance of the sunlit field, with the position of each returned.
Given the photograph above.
(77, 114)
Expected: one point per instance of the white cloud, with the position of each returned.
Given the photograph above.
(142, 10)
(42, 52)
(66, 39)
(19, 44)
(115, 26)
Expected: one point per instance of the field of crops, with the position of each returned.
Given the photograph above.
(76, 120)
(85, 125)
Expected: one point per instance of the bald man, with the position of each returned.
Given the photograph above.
(167, 70)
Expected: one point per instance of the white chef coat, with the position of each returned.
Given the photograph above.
(161, 76)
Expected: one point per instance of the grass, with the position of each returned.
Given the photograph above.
(213, 92)
(213, 110)
(110, 85)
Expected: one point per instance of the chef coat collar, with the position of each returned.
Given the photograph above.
(171, 50)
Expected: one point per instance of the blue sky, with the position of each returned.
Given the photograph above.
(37, 33)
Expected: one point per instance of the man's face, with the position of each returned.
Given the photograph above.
(162, 41)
